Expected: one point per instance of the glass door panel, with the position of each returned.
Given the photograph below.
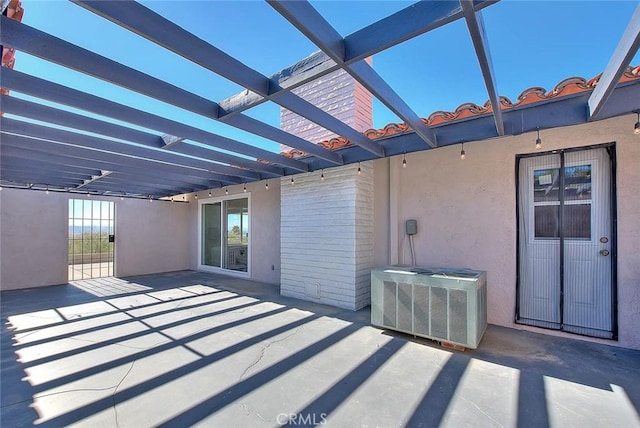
(237, 229)
(225, 234)
(211, 239)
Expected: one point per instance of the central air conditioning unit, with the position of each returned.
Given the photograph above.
(447, 305)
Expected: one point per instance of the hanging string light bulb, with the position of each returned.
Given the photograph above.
(463, 155)
(266, 185)
(538, 140)
(322, 175)
(359, 169)
(404, 160)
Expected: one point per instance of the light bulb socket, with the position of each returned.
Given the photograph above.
(463, 154)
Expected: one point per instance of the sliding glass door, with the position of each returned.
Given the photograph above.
(224, 234)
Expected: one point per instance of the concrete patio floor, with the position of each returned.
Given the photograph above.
(189, 348)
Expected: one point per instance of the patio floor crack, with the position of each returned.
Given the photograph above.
(263, 349)
(115, 392)
(480, 410)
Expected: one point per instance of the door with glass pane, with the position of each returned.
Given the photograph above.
(565, 242)
(225, 234)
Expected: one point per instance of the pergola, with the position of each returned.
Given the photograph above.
(160, 164)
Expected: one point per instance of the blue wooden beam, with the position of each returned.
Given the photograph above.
(34, 86)
(314, 114)
(133, 177)
(132, 181)
(148, 24)
(310, 23)
(13, 162)
(303, 71)
(397, 28)
(50, 48)
(249, 124)
(154, 27)
(38, 131)
(372, 81)
(132, 187)
(26, 148)
(475, 24)
(24, 108)
(41, 178)
(622, 56)
(90, 147)
(32, 171)
(410, 22)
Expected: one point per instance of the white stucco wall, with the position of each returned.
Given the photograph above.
(467, 216)
(33, 238)
(327, 236)
(150, 237)
(264, 228)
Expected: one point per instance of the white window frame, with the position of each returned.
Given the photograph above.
(556, 165)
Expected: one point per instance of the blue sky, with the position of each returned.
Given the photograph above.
(533, 43)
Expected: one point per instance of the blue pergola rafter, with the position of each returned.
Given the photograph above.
(40, 88)
(310, 23)
(53, 49)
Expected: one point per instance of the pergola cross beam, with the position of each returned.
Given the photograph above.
(60, 94)
(622, 56)
(53, 49)
(303, 16)
(475, 24)
(154, 27)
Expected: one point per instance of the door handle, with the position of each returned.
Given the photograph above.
(604, 253)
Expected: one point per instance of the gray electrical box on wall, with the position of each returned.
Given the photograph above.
(412, 227)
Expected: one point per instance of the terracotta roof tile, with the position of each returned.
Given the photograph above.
(15, 11)
(569, 86)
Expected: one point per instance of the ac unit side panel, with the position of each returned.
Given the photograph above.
(439, 313)
(405, 307)
(443, 306)
(376, 299)
(389, 304)
(459, 314)
(421, 314)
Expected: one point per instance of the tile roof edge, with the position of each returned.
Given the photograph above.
(13, 10)
(530, 96)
